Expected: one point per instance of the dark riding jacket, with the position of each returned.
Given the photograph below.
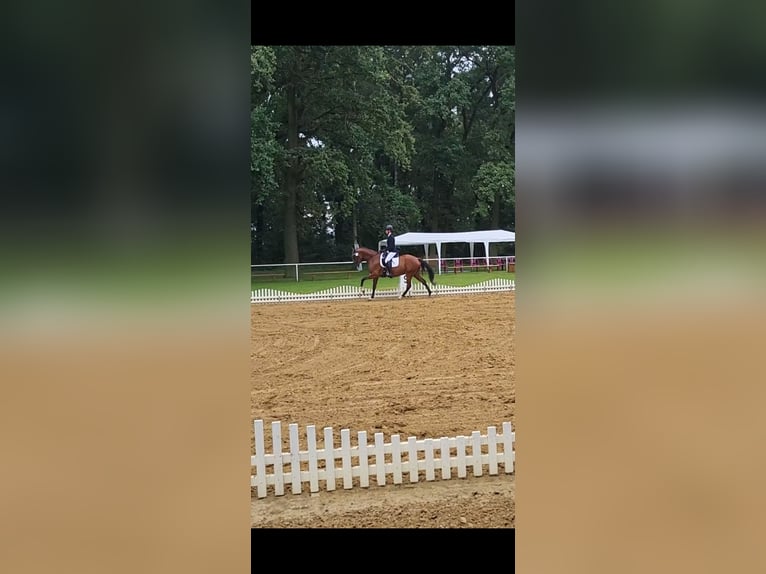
(391, 243)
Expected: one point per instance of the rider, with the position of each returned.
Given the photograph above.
(390, 250)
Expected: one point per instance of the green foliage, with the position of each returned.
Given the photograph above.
(345, 139)
(264, 149)
(494, 181)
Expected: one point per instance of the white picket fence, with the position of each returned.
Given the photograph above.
(396, 459)
(353, 292)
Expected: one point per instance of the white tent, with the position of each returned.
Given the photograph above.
(470, 237)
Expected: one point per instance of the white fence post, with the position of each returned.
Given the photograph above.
(412, 454)
(329, 458)
(345, 450)
(364, 463)
(445, 456)
(276, 439)
(295, 461)
(429, 453)
(509, 455)
(492, 446)
(380, 466)
(259, 482)
(476, 452)
(396, 458)
(311, 439)
(460, 443)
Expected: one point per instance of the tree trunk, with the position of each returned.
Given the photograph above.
(355, 228)
(291, 181)
(355, 233)
(260, 227)
(435, 204)
(496, 211)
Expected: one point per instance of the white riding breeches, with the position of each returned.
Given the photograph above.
(389, 256)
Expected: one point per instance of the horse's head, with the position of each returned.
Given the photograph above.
(360, 254)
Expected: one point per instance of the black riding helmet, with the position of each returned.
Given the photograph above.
(389, 227)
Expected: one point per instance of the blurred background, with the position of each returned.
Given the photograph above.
(124, 322)
(640, 135)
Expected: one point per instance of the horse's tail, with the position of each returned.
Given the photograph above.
(425, 266)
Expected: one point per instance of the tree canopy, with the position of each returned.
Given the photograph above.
(347, 139)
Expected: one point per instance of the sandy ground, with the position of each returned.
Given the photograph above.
(424, 367)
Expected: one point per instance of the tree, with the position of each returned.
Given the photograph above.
(336, 110)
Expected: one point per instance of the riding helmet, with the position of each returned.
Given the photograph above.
(389, 226)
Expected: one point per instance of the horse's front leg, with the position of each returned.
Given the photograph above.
(361, 283)
(374, 286)
(409, 284)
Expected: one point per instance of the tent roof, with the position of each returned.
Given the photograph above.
(491, 236)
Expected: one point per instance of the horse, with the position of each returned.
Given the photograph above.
(409, 265)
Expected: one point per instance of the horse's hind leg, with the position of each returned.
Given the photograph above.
(423, 281)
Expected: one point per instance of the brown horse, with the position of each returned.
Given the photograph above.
(409, 265)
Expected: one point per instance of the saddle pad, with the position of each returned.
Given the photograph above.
(394, 261)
